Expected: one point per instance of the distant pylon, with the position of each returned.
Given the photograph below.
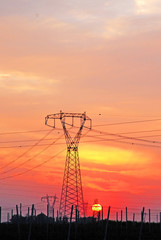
(72, 192)
(50, 200)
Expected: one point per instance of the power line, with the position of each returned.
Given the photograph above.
(149, 136)
(39, 165)
(129, 122)
(124, 142)
(21, 132)
(126, 137)
(6, 165)
(28, 140)
(49, 139)
(117, 123)
(143, 131)
(104, 139)
(28, 160)
(100, 139)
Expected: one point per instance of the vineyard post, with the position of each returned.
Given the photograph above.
(102, 213)
(108, 215)
(133, 219)
(11, 214)
(32, 212)
(53, 216)
(8, 217)
(76, 220)
(149, 220)
(117, 222)
(70, 223)
(0, 214)
(28, 214)
(47, 222)
(121, 220)
(20, 210)
(126, 219)
(18, 224)
(78, 215)
(160, 222)
(142, 220)
(98, 216)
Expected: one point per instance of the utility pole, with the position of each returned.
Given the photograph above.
(72, 192)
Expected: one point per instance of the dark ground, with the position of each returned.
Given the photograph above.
(85, 231)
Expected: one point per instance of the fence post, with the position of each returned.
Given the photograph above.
(11, 214)
(133, 219)
(47, 223)
(160, 222)
(32, 212)
(18, 224)
(117, 222)
(102, 213)
(98, 216)
(47, 210)
(28, 211)
(142, 219)
(8, 217)
(70, 222)
(28, 214)
(149, 221)
(20, 209)
(121, 220)
(78, 215)
(106, 228)
(116, 216)
(0, 214)
(126, 219)
(53, 216)
(76, 220)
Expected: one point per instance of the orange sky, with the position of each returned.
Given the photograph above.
(102, 57)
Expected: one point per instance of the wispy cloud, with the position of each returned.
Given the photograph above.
(22, 82)
(148, 6)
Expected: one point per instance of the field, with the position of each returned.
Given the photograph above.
(81, 231)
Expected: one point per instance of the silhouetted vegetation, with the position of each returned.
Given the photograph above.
(89, 231)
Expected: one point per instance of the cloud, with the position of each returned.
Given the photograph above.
(131, 26)
(23, 82)
(148, 6)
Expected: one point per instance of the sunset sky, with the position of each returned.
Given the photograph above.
(102, 57)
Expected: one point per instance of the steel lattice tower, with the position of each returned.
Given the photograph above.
(72, 192)
(50, 200)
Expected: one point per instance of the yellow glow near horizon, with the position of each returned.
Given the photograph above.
(111, 155)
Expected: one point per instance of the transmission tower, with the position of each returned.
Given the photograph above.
(72, 192)
(50, 200)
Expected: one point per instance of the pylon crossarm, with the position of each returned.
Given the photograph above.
(62, 116)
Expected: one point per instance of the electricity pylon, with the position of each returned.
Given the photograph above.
(50, 200)
(72, 192)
